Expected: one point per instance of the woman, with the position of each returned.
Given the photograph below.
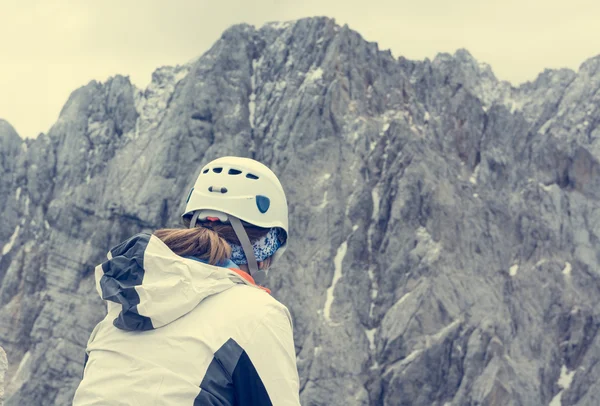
(188, 322)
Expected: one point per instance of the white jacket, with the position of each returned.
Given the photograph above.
(182, 332)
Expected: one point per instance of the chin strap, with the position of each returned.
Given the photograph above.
(258, 275)
(194, 219)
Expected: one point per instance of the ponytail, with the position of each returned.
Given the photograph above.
(200, 242)
(208, 241)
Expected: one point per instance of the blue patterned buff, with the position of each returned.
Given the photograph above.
(263, 248)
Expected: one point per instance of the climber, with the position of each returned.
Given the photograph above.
(188, 321)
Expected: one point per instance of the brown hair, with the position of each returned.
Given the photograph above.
(208, 241)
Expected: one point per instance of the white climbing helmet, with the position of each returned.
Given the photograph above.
(231, 188)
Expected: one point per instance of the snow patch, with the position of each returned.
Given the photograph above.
(372, 306)
(403, 298)
(252, 109)
(22, 375)
(181, 74)
(46, 225)
(151, 104)
(23, 364)
(374, 289)
(324, 202)
(337, 262)
(355, 227)
(252, 99)
(290, 62)
(372, 144)
(566, 378)
(514, 105)
(376, 200)
(567, 269)
(411, 357)
(427, 248)
(547, 188)
(279, 25)
(473, 178)
(564, 382)
(354, 136)
(488, 89)
(314, 74)
(426, 117)
(513, 270)
(280, 86)
(442, 333)
(371, 337)
(544, 128)
(18, 194)
(11, 242)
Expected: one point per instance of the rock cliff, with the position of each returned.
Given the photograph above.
(444, 223)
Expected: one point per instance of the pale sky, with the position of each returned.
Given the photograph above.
(49, 48)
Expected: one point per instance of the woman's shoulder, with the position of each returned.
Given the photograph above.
(251, 302)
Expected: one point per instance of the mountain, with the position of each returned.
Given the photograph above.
(444, 224)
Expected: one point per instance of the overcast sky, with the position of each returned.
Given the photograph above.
(51, 47)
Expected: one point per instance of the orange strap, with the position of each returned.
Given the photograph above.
(247, 277)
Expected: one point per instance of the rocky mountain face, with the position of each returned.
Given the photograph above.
(444, 224)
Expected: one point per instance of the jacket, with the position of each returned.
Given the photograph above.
(182, 332)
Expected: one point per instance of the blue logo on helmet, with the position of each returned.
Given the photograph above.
(263, 203)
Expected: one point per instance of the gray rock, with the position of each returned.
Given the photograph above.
(3, 368)
(459, 212)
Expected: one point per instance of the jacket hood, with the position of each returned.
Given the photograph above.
(153, 286)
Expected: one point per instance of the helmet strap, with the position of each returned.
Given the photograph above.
(257, 274)
(194, 219)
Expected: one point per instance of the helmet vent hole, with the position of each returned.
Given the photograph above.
(234, 172)
(206, 170)
(217, 170)
(217, 189)
(251, 176)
